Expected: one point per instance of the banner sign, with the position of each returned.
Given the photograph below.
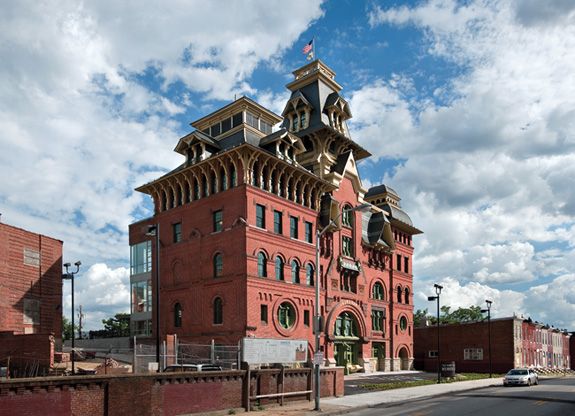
(271, 351)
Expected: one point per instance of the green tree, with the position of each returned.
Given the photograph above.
(458, 316)
(67, 329)
(420, 317)
(118, 326)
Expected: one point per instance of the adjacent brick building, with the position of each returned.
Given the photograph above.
(237, 226)
(30, 296)
(515, 342)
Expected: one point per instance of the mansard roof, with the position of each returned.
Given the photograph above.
(195, 136)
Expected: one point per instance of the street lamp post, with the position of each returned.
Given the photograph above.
(154, 231)
(317, 324)
(431, 298)
(70, 276)
(488, 310)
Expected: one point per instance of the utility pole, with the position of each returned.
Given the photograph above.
(81, 317)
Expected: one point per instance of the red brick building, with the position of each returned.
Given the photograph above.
(515, 342)
(30, 295)
(238, 222)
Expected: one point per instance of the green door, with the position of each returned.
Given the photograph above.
(345, 354)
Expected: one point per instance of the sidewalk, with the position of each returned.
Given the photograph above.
(346, 404)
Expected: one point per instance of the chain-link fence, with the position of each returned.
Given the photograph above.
(175, 352)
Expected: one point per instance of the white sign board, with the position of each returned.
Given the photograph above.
(318, 358)
(270, 351)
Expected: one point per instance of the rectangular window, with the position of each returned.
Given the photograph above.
(293, 226)
(218, 219)
(377, 319)
(264, 313)
(278, 222)
(252, 120)
(141, 296)
(141, 257)
(432, 354)
(308, 232)
(398, 262)
(347, 246)
(475, 354)
(237, 119)
(177, 232)
(31, 257)
(406, 264)
(260, 216)
(31, 311)
(265, 127)
(226, 125)
(215, 130)
(306, 318)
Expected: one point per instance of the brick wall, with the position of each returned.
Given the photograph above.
(454, 339)
(30, 270)
(165, 394)
(26, 352)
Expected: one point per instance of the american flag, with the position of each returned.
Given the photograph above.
(307, 48)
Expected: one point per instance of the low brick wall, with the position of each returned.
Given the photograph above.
(155, 394)
(27, 353)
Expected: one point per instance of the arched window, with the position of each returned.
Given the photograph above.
(234, 177)
(178, 195)
(377, 291)
(406, 297)
(347, 216)
(309, 275)
(218, 265)
(262, 265)
(177, 315)
(205, 186)
(214, 183)
(256, 174)
(279, 268)
(218, 311)
(286, 315)
(196, 189)
(345, 326)
(223, 180)
(399, 292)
(294, 272)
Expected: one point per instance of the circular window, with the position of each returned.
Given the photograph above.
(403, 323)
(286, 315)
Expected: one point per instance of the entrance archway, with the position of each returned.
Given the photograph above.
(346, 340)
(404, 359)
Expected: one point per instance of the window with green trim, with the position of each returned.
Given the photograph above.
(286, 315)
(260, 216)
(377, 291)
(345, 326)
(403, 323)
(294, 272)
(279, 268)
(262, 264)
(377, 320)
(218, 265)
(347, 246)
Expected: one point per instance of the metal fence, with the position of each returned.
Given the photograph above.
(226, 356)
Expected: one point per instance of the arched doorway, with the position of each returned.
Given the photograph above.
(346, 340)
(404, 359)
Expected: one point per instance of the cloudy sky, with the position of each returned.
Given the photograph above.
(467, 107)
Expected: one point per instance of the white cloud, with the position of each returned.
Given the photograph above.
(80, 130)
(489, 157)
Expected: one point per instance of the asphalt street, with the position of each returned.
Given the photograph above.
(550, 397)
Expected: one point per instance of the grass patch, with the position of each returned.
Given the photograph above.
(415, 383)
(397, 385)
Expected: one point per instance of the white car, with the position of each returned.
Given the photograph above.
(520, 377)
